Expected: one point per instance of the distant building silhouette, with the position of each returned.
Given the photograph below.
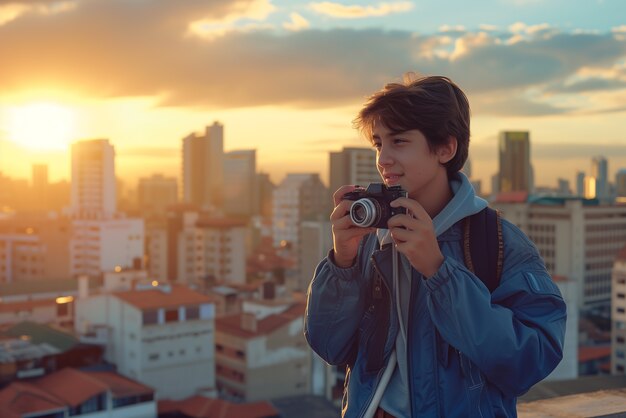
(514, 170)
(240, 191)
(203, 168)
(352, 166)
(600, 171)
(156, 193)
(93, 179)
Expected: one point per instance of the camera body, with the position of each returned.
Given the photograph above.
(371, 206)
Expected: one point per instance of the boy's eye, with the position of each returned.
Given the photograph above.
(376, 145)
(398, 141)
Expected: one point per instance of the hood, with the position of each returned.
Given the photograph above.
(464, 203)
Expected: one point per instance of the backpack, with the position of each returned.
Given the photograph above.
(483, 248)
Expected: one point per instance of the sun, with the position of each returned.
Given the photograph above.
(42, 126)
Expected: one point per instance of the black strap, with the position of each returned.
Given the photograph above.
(483, 246)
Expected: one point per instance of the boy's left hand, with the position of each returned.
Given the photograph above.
(414, 236)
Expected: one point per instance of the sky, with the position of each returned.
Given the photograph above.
(287, 78)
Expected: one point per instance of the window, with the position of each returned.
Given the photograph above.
(153, 357)
(171, 315)
(193, 312)
(150, 317)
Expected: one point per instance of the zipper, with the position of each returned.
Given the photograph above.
(377, 291)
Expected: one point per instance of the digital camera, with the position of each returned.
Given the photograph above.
(371, 206)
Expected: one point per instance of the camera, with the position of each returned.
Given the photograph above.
(371, 206)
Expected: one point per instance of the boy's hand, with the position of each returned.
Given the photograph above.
(346, 235)
(414, 236)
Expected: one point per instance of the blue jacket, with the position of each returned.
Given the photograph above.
(470, 353)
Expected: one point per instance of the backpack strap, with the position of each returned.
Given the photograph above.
(483, 248)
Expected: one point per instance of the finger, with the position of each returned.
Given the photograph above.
(341, 210)
(413, 206)
(343, 223)
(340, 192)
(404, 221)
(401, 235)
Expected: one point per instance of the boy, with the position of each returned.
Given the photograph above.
(422, 336)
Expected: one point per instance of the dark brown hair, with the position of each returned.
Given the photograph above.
(434, 105)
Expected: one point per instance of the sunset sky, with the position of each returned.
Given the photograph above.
(287, 77)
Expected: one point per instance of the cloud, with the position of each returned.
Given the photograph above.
(296, 23)
(13, 10)
(340, 11)
(119, 48)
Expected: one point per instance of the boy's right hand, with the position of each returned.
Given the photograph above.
(346, 235)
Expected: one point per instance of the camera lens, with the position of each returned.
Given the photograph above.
(364, 212)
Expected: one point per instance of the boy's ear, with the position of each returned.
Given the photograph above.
(447, 151)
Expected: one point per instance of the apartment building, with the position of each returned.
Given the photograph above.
(159, 334)
(618, 314)
(262, 344)
(578, 239)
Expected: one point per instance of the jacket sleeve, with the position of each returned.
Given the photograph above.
(515, 335)
(335, 306)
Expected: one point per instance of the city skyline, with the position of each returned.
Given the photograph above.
(292, 75)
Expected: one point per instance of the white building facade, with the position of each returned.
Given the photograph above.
(93, 179)
(162, 336)
(618, 315)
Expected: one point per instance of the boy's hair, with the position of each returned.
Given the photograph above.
(434, 105)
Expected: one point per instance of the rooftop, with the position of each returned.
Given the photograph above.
(43, 334)
(232, 324)
(600, 404)
(158, 297)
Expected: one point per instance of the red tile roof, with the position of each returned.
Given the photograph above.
(119, 385)
(21, 398)
(201, 407)
(153, 299)
(232, 324)
(71, 386)
(593, 353)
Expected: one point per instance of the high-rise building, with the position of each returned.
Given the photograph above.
(514, 169)
(577, 239)
(580, 183)
(319, 240)
(618, 314)
(620, 183)
(240, 191)
(156, 193)
(299, 197)
(203, 167)
(600, 171)
(93, 179)
(353, 166)
(40, 186)
(265, 192)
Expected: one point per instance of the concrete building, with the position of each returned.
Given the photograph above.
(352, 166)
(240, 191)
(159, 334)
(93, 179)
(577, 238)
(620, 185)
(580, 183)
(156, 193)
(261, 345)
(319, 240)
(265, 191)
(514, 162)
(600, 171)
(99, 245)
(618, 314)
(34, 249)
(203, 168)
(193, 246)
(298, 198)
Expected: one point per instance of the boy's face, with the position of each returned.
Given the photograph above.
(405, 159)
